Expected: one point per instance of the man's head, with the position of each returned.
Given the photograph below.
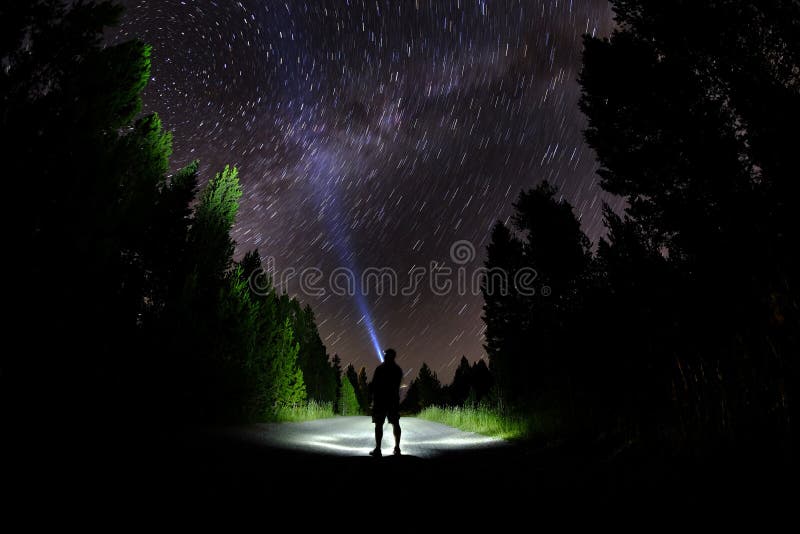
(389, 355)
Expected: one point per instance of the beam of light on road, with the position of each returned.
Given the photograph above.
(459, 442)
(357, 444)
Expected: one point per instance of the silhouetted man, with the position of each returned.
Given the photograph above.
(386, 400)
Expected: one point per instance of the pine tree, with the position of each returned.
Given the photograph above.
(348, 402)
(462, 382)
(480, 380)
(210, 242)
(352, 376)
(313, 358)
(428, 387)
(287, 386)
(363, 391)
(411, 402)
(502, 309)
(529, 329)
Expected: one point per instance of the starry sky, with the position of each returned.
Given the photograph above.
(376, 134)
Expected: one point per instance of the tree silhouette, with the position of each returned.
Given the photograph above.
(428, 387)
(528, 326)
(313, 359)
(502, 310)
(480, 381)
(70, 105)
(683, 327)
(694, 126)
(410, 403)
(470, 385)
(459, 388)
(686, 318)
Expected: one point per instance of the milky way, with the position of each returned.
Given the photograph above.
(377, 134)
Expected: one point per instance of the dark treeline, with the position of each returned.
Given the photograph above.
(681, 328)
(470, 386)
(127, 301)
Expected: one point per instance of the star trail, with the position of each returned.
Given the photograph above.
(377, 134)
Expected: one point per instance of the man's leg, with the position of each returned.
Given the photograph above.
(378, 418)
(396, 429)
(378, 435)
(395, 421)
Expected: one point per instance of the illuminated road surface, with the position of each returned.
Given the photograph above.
(324, 465)
(354, 436)
(322, 469)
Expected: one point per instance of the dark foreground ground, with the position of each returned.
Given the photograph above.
(323, 466)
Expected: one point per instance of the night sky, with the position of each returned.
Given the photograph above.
(377, 134)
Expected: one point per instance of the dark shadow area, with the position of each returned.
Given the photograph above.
(211, 470)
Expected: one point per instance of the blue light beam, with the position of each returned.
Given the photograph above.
(324, 169)
(362, 307)
(361, 302)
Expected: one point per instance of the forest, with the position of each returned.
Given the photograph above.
(128, 301)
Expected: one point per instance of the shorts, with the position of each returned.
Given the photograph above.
(379, 415)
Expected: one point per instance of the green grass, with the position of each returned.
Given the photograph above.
(307, 411)
(485, 421)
